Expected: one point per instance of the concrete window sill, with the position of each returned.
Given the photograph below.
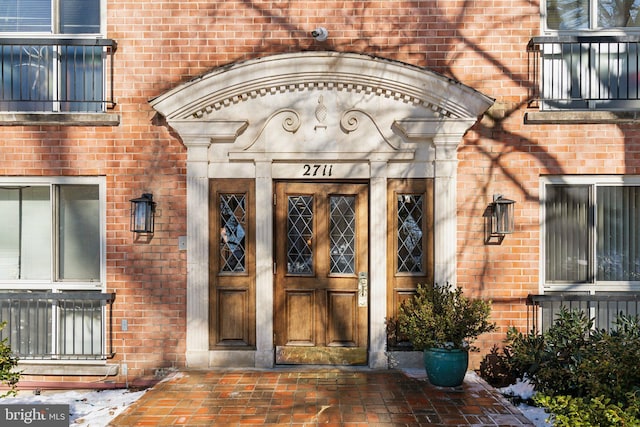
(581, 117)
(59, 119)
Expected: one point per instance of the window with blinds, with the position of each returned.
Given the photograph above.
(592, 233)
(567, 221)
(618, 234)
(50, 234)
(50, 16)
(592, 14)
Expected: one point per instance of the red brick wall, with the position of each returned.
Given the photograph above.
(162, 43)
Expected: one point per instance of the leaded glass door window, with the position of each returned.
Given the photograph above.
(342, 234)
(410, 223)
(300, 234)
(232, 233)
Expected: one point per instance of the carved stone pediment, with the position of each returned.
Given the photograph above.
(320, 104)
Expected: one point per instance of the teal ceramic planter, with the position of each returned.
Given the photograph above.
(446, 368)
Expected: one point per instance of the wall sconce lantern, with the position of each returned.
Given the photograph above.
(502, 215)
(142, 214)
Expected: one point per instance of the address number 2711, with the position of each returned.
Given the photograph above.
(317, 170)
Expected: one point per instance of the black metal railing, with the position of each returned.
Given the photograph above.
(602, 307)
(58, 326)
(56, 75)
(583, 73)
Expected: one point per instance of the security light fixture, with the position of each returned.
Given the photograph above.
(502, 215)
(320, 34)
(142, 214)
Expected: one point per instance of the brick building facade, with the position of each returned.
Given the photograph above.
(192, 100)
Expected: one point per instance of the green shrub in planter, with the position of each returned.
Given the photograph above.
(442, 322)
(8, 362)
(443, 317)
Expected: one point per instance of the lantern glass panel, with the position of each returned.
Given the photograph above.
(142, 210)
(503, 217)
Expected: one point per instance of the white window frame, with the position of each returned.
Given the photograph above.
(54, 285)
(56, 72)
(55, 13)
(596, 93)
(593, 24)
(594, 287)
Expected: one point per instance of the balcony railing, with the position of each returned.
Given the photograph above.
(58, 326)
(603, 307)
(56, 75)
(585, 73)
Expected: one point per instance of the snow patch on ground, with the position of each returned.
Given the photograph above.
(86, 408)
(536, 415)
(523, 391)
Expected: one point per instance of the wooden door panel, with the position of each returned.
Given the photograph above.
(232, 309)
(342, 315)
(320, 239)
(300, 317)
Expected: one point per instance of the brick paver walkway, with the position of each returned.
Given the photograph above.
(328, 397)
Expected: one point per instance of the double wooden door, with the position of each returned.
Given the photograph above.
(321, 265)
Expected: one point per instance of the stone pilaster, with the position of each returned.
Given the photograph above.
(445, 210)
(197, 354)
(378, 265)
(264, 266)
(198, 138)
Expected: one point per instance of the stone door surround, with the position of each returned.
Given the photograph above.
(280, 116)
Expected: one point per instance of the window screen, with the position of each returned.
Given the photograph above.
(25, 16)
(34, 217)
(567, 233)
(618, 233)
(592, 14)
(79, 16)
(592, 233)
(35, 16)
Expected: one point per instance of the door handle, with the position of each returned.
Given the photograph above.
(363, 289)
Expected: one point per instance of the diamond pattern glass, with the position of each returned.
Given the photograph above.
(300, 235)
(342, 231)
(410, 243)
(232, 233)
